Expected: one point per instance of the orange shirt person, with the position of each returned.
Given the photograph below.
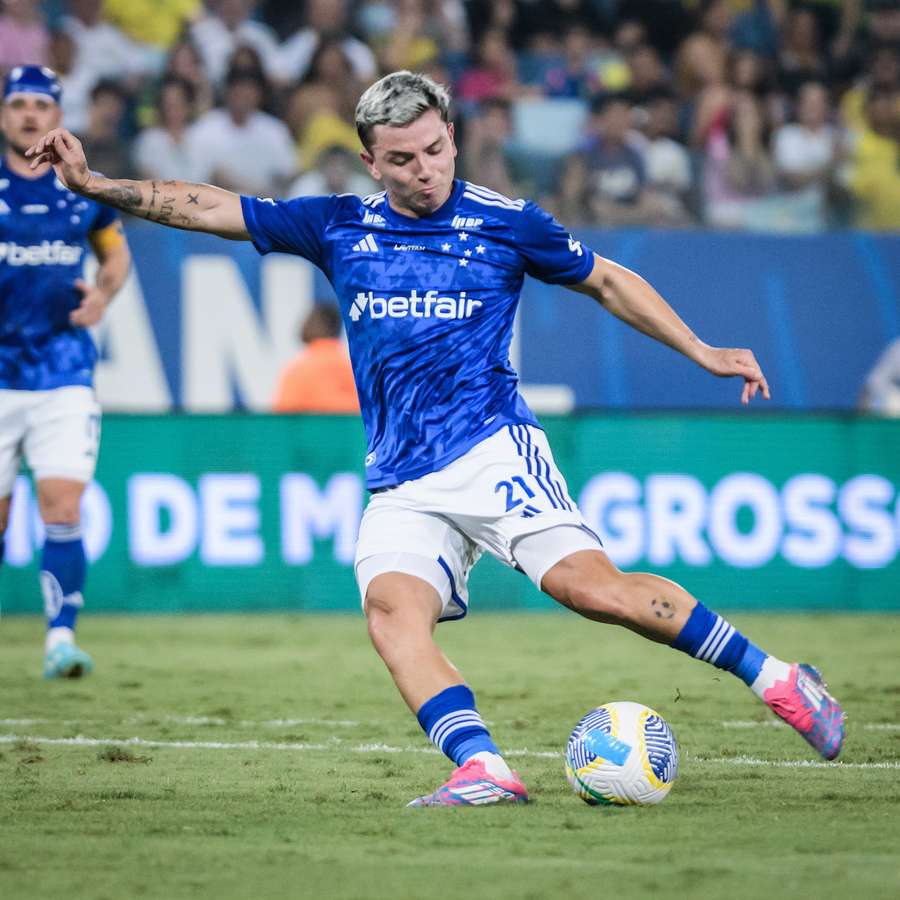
(319, 379)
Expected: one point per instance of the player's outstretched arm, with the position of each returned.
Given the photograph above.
(194, 207)
(630, 298)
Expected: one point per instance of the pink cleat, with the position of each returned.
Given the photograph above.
(804, 703)
(471, 785)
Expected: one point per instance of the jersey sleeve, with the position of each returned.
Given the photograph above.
(106, 216)
(288, 226)
(551, 254)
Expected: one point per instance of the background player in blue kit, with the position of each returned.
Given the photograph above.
(428, 274)
(48, 412)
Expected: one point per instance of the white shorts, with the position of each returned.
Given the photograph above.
(500, 492)
(57, 432)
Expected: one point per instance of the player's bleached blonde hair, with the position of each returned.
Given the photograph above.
(399, 99)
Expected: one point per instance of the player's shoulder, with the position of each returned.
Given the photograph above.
(484, 204)
(477, 196)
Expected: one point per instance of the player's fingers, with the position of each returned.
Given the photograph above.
(82, 285)
(764, 386)
(40, 160)
(745, 394)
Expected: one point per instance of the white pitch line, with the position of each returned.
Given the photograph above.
(81, 741)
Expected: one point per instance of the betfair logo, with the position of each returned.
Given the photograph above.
(416, 306)
(47, 253)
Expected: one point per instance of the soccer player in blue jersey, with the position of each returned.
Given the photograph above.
(48, 412)
(428, 273)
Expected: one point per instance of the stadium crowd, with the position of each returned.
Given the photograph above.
(738, 114)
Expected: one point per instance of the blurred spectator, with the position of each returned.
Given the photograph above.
(702, 58)
(422, 30)
(102, 50)
(103, 138)
(667, 161)
(158, 23)
(575, 74)
(165, 151)
(873, 175)
(23, 35)
(802, 57)
(325, 20)
(881, 391)
(243, 148)
(807, 153)
(617, 173)
(320, 378)
(493, 74)
(737, 170)
(76, 81)
(646, 73)
(882, 71)
(336, 172)
(486, 136)
(572, 201)
(185, 62)
(227, 25)
(321, 109)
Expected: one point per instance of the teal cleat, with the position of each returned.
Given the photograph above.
(67, 661)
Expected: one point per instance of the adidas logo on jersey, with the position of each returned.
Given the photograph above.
(417, 306)
(370, 218)
(366, 245)
(466, 222)
(47, 253)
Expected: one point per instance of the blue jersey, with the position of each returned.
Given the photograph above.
(429, 305)
(43, 241)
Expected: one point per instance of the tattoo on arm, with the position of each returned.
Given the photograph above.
(662, 608)
(162, 206)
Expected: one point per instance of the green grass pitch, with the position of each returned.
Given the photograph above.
(274, 760)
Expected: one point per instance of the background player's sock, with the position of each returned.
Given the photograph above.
(63, 569)
(709, 637)
(454, 726)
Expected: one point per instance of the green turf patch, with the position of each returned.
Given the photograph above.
(282, 760)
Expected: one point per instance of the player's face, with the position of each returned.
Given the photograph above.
(416, 162)
(26, 117)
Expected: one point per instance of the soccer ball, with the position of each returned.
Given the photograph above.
(622, 753)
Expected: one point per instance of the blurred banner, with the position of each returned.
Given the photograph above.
(261, 512)
(204, 324)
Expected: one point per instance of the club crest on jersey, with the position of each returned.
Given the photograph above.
(415, 306)
(466, 222)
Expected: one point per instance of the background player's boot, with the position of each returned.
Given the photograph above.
(803, 702)
(471, 785)
(66, 661)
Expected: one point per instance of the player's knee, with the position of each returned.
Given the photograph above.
(60, 510)
(394, 613)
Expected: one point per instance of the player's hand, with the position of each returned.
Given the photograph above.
(729, 361)
(64, 152)
(92, 307)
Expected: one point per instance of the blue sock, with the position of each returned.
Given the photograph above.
(711, 638)
(63, 569)
(453, 725)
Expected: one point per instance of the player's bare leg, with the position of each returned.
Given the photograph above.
(63, 569)
(402, 612)
(591, 585)
(4, 521)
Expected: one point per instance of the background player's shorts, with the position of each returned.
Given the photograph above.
(435, 527)
(57, 432)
